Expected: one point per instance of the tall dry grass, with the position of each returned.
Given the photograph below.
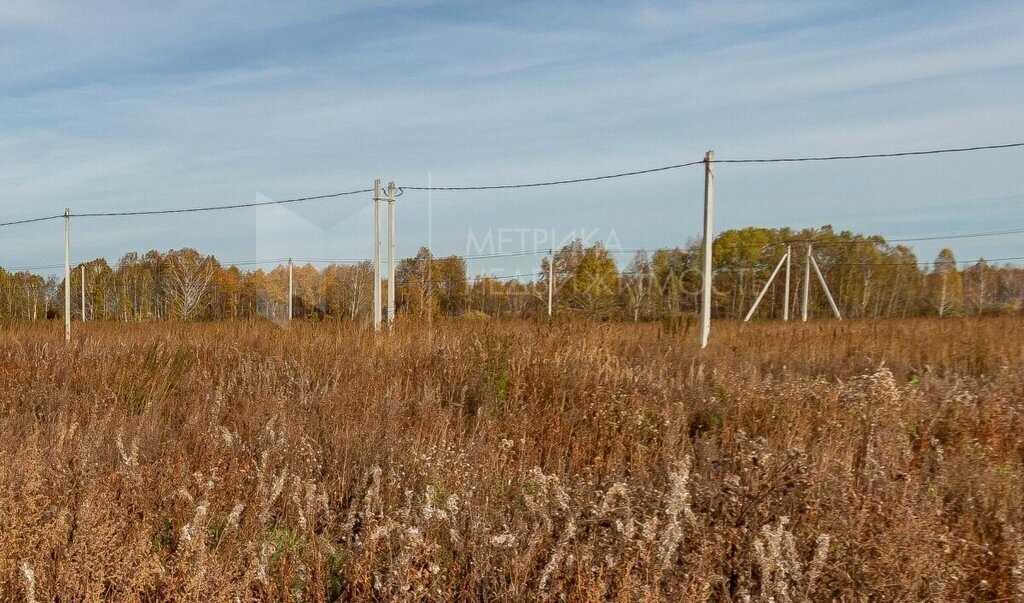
(508, 461)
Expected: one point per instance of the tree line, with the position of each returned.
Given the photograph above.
(868, 277)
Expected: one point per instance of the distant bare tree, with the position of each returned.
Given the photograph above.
(947, 284)
(637, 285)
(188, 281)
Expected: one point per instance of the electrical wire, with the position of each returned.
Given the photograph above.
(28, 268)
(966, 235)
(713, 161)
(252, 262)
(903, 264)
(551, 182)
(621, 274)
(332, 261)
(507, 277)
(987, 261)
(30, 220)
(186, 210)
(401, 190)
(867, 241)
(509, 254)
(873, 155)
(536, 276)
(284, 261)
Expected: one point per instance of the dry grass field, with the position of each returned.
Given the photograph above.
(481, 460)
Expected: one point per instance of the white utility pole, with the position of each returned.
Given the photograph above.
(376, 254)
(785, 308)
(291, 289)
(705, 311)
(391, 255)
(551, 280)
(807, 282)
(84, 315)
(828, 294)
(764, 289)
(67, 275)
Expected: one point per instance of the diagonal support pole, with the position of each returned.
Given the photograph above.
(828, 294)
(764, 289)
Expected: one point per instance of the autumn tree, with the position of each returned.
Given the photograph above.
(188, 279)
(946, 285)
(449, 277)
(637, 286)
(980, 283)
(587, 279)
(415, 293)
(676, 277)
(868, 277)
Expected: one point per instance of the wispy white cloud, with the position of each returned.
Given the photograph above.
(114, 105)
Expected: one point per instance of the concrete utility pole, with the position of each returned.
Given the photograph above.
(84, 315)
(376, 255)
(789, 257)
(705, 311)
(551, 280)
(291, 290)
(807, 282)
(67, 275)
(391, 255)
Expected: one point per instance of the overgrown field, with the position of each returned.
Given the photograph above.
(484, 460)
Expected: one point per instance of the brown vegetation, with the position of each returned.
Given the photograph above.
(488, 460)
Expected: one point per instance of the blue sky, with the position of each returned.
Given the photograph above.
(126, 105)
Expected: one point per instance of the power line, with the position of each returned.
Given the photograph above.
(30, 220)
(332, 261)
(699, 162)
(510, 186)
(866, 241)
(186, 210)
(28, 268)
(873, 155)
(518, 276)
(551, 182)
(987, 260)
(283, 261)
(507, 277)
(966, 235)
(827, 264)
(508, 254)
(252, 262)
